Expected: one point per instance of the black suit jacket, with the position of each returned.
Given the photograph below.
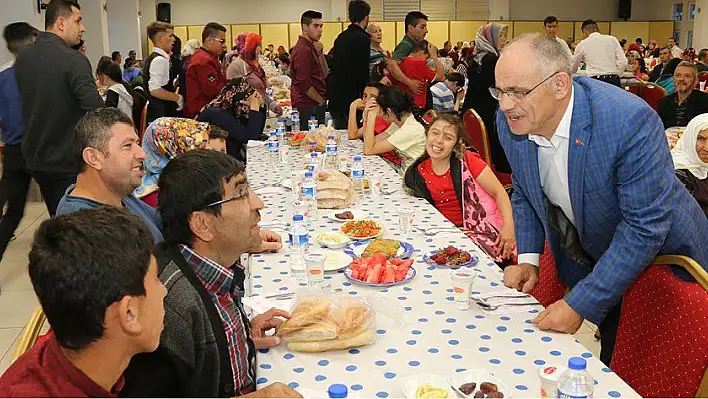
(350, 68)
(655, 73)
(696, 104)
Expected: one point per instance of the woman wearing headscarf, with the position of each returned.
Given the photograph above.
(163, 140)
(187, 52)
(691, 159)
(237, 110)
(490, 39)
(246, 65)
(653, 50)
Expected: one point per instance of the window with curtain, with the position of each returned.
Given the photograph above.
(474, 10)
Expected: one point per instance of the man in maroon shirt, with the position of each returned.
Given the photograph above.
(205, 78)
(96, 279)
(308, 90)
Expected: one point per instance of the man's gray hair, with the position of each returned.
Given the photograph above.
(688, 64)
(94, 130)
(548, 54)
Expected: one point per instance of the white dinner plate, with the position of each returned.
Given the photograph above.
(478, 377)
(410, 385)
(358, 214)
(336, 260)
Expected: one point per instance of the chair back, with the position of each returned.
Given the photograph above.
(702, 77)
(549, 288)
(30, 333)
(662, 345)
(477, 134)
(429, 116)
(652, 93)
(143, 121)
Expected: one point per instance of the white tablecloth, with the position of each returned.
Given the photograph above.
(428, 335)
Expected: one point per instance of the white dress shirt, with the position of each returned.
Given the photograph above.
(553, 170)
(676, 52)
(159, 70)
(602, 55)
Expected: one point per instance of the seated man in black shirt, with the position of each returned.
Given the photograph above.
(679, 108)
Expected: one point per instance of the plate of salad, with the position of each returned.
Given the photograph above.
(362, 229)
(450, 257)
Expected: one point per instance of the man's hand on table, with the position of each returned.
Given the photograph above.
(275, 390)
(265, 322)
(271, 242)
(522, 277)
(559, 317)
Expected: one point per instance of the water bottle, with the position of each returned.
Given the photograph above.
(273, 150)
(358, 174)
(309, 193)
(328, 119)
(331, 153)
(298, 245)
(314, 165)
(280, 131)
(337, 391)
(312, 123)
(295, 118)
(576, 382)
(269, 93)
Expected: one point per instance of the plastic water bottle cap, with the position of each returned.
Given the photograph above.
(313, 155)
(294, 109)
(330, 137)
(312, 117)
(337, 391)
(298, 218)
(308, 174)
(357, 158)
(577, 363)
(273, 133)
(280, 119)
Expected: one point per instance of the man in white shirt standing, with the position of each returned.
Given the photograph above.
(602, 54)
(676, 51)
(550, 26)
(594, 177)
(156, 73)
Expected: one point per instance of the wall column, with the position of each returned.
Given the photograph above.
(95, 18)
(124, 27)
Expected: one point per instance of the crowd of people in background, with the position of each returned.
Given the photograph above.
(78, 132)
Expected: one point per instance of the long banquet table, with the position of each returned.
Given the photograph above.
(428, 336)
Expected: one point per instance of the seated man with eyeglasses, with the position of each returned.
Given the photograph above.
(204, 75)
(208, 347)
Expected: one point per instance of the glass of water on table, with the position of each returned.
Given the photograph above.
(405, 220)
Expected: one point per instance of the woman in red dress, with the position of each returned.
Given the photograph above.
(463, 188)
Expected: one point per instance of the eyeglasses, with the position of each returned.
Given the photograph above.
(516, 96)
(222, 41)
(244, 194)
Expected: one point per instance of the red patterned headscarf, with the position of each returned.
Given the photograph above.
(247, 45)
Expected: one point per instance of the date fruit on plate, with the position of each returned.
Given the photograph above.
(450, 256)
(486, 390)
(468, 388)
(376, 269)
(347, 215)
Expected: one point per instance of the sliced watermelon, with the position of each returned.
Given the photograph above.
(389, 275)
(374, 276)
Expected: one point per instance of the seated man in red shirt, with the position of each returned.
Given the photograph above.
(422, 65)
(204, 75)
(96, 279)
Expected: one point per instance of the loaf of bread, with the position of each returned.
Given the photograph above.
(365, 338)
(334, 190)
(318, 324)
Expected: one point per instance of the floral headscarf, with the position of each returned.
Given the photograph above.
(684, 153)
(247, 45)
(230, 98)
(487, 41)
(163, 140)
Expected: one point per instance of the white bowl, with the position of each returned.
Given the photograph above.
(410, 385)
(478, 377)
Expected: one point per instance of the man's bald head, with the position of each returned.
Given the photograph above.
(539, 52)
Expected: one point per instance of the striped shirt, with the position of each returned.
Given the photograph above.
(375, 56)
(443, 97)
(219, 283)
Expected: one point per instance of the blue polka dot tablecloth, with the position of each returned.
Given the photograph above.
(429, 335)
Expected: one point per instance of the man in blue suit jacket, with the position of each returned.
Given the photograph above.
(593, 174)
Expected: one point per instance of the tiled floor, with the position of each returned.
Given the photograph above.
(17, 299)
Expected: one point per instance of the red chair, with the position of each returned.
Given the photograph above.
(702, 77)
(662, 339)
(143, 121)
(549, 288)
(477, 134)
(652, 93)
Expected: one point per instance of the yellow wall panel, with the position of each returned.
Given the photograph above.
(464, 31)
(523, 27)
(295, 32)
(604, 29)
(565, 29)
(181, 32)
(660, 31)
(389, 37)
(400, 31)
(277, 34)
(438, 33)
(330, 31)
(194, 32)
(630, 31)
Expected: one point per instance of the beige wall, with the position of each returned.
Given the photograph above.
(199, 12)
